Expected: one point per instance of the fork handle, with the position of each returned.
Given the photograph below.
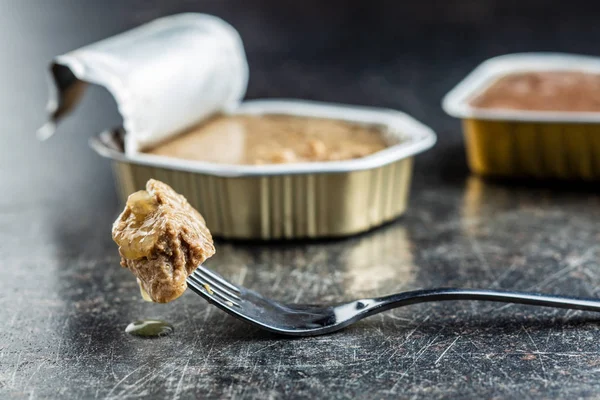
(384, 303)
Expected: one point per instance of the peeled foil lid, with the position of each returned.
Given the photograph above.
(165, 76)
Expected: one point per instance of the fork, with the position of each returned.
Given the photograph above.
(313, 320)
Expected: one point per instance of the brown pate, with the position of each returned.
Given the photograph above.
(273, 139)
(162, 239)
(543, 91)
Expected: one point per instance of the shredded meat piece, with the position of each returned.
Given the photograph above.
(162, 239)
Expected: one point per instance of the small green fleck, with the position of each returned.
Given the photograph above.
(149, 328)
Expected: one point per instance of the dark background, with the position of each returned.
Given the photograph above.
(65, 301)
(399, 54)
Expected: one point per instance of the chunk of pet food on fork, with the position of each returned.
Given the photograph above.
(162, 239)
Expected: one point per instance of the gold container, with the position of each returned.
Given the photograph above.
(171, 74)
(284, 201)
(522, 143)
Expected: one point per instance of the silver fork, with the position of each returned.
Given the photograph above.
(312, 320)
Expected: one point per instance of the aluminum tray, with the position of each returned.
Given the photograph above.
(315, 199)
(522, 143)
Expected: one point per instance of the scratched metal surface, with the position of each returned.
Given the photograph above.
(65, 301)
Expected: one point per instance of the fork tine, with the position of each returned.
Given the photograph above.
(208, 279)
(214, 295)
(201, 285)
(217, 278)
